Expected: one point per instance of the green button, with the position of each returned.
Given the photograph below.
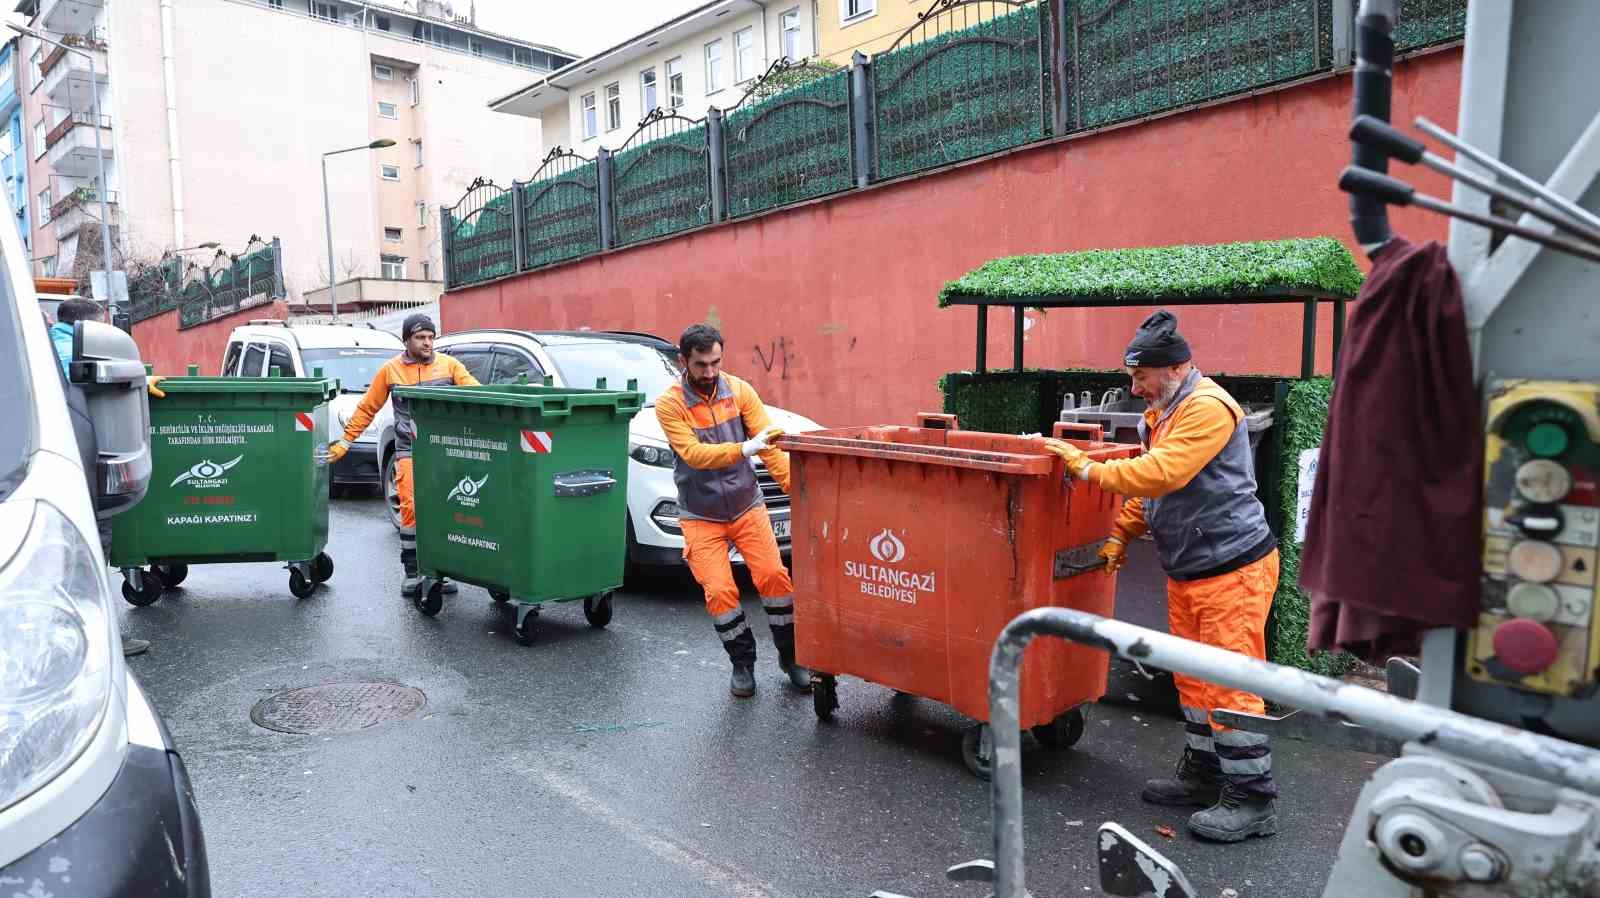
(1547, 440)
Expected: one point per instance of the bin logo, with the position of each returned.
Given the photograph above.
(206, 475)
(466, 492)
(887, 548)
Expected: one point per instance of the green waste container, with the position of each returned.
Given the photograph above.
(239, 473)
(522, 490)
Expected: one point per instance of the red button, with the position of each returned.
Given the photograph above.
(1526, 646)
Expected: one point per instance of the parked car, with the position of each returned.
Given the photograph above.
(351, 353)
(577, 359)
(94, 797)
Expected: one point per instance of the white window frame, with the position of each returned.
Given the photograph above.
(789, 35)
(589, 116)
(474, 46)
(675, 92)
(865, 9)
(713, 67)
(393, 235)
(382, 72)
(744, 58)
(422, 213)
(427, 270)
(38, 139)
(385, 169)
(613, 105)
(649, 92)
(317, 11)
(416, 90)
(390, 273)
(417, 146)
(46, 200)
(393, 113)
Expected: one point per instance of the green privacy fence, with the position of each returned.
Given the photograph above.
(791, 147)
(970, 78)
(203, 291)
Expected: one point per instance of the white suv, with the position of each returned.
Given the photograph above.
(578, 359)
(351, 353)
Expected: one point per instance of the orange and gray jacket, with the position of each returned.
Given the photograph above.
(715, 481)
(401, 371)
(1194, 488)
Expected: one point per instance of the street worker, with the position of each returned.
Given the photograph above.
(716, 423)
(418, 366)
(1194, 491)
(68, 314)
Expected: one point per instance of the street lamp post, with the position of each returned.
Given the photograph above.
(327, 214)
(99, 158)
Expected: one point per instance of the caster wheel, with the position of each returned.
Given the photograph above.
(500, 596)
(150, 589)
(301, 585)
(172, 574)
(1063, 732)
(432, 601)
(321, 568)
(825, 696)
(977, 750)
(597, 609)
(528, 630)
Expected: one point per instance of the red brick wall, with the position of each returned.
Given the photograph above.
(830, 309)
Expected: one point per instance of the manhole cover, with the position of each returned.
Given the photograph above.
(336, 707)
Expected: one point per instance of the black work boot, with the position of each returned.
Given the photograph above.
(1236, 816)
(743, 684)
(783, 639)
(1197, 782)
(412, 587)
(740, 644)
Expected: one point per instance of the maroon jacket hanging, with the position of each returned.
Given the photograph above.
(1392, 544)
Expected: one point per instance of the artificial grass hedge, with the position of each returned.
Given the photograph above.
(1161, 273)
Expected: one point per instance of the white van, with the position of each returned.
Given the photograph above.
(353, 353)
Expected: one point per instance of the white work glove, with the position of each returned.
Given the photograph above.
(761, 442)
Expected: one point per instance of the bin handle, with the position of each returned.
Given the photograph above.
(935, 421)
(578, 484)
(555, 407)
(1094, 433)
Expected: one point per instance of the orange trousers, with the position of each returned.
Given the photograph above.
(1229, 612)
(705, 547)
(406, 487)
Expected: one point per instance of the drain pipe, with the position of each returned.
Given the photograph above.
(169, 77)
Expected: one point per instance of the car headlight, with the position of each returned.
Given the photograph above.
(55, 649)
(650, 454)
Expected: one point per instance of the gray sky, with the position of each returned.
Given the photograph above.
(584, 28)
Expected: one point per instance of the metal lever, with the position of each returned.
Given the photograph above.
(1509, 173)
(1304, 727)
(577, 484)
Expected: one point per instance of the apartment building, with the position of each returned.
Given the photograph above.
(217, 117)
(872, 26)
(13, 160)
(709, 56)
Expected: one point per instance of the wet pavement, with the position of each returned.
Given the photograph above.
(614, 763)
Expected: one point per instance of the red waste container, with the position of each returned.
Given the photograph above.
(914, 546)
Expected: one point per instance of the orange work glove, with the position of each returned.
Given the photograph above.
(150, 384)
(1076, 459)
(336, 451)
(1115, 553)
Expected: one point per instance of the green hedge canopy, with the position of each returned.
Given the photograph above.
(1221, 272)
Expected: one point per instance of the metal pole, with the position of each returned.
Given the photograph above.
(717, 155)
(105, 218)
(861, 118)
(604, 183)
(1308, 341)
(327, 216)
(1338, 332)
(1017, 329)
(983, 338)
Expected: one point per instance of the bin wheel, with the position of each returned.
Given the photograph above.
(527, 629)
(977, 750)
(597, 609)
(432, 601)
(500, 596)
(322, 568)
(151, 589)
(172, 574)
(1063, 732)
(301, 585)
(825, 696)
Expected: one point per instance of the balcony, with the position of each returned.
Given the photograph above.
(69, 16)
(79, 208)
(66, 74)
(69, 146)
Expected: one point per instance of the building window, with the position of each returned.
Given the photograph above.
(416, 90)
(389, 172)
(394, 267)
(475, 46)
(325, 11)
(47, 266)
(7, 70)
(591, 127)
(714, 66)
(392, 235)
(613, 106)
(386, 110)
(789, 23)
(521, 56)
(383, 73)
(416, 146)
(850, 10)
(38, 139)
(422, 213)
(675, 82)
(427, 270)
(647, 91)
(382, 22)
(744, 54)
(275, 4)
(44, 206)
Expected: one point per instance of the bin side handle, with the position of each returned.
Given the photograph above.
(1094, 433)
(555, 407)
(578, 484)
(935, 421)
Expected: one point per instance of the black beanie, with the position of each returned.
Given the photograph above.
(417, 322)
(1157, 343)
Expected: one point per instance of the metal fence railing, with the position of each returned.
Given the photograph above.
(970, 78)
(203, 292)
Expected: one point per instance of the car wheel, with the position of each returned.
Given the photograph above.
(391, 496)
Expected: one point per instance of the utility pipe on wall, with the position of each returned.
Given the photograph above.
(169, 78)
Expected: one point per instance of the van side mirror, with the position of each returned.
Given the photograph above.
(106, 365)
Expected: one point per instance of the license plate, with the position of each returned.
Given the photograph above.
(780, 529)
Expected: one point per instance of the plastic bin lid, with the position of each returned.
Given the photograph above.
(322, 387)
(543, 399)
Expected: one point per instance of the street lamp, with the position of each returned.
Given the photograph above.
(99, 157)
(327, 214)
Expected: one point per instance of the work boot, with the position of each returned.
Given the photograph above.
(412, 587)
(1236, 816)
(132, 647)
(799, 677)
(743, 684)
(1197, 783)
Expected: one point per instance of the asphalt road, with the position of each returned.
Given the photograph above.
(614, 762)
